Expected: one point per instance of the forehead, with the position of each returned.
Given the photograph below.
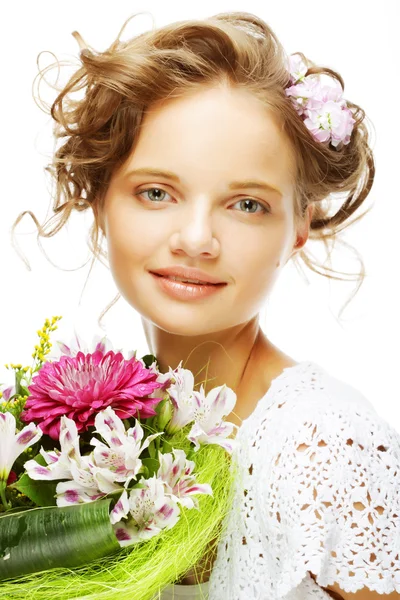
(215, 131)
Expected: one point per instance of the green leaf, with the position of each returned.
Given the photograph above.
(152, 449)
(18, 385)
(137, 486)
(148, 360)
(24, 391)
(166, 447)
(15, 510)
(40, 491)
(46, 538)
(151, 464)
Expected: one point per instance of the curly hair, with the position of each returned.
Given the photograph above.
(99, 129)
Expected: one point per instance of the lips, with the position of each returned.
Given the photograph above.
(191, 275)
(186, 292)
(187, 282)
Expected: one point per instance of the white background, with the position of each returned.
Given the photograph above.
(358, 39)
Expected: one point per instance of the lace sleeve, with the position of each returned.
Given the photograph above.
(329, 501)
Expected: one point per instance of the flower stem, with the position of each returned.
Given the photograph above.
(3, 496)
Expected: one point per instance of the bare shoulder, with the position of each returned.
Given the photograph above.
(271, 361)
(268, 363)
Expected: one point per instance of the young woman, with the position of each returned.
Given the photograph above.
(208, 159)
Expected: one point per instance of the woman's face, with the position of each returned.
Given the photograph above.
(198, 218)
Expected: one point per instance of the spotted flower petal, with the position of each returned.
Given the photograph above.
(150, 511)
(216, 435)
(7, 392)
(210, 409)
(121, 508)
(70, 492)
(77, 344)
(13, 443)
(180, 391)
(88, 480)
(176, 472)
(123, 449)
(58, 462)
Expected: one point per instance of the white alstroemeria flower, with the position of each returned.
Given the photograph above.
(176, 472)
(58, 462)
(163, 378)
(149, 511)
(12, 444)
(89, 482)
(209, 428)
(94, 476)
(121, 456)
(153, 368)
(7, 392)
(77, 344)
(181, 394)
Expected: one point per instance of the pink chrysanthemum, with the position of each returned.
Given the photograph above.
(83, 385)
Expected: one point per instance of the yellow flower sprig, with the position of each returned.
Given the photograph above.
(23, 375)
(43, 348)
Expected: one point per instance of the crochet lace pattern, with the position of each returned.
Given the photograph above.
(318, 490)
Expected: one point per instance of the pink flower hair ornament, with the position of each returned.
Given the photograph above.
(322, 107)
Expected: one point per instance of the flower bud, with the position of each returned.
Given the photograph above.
(164, 410)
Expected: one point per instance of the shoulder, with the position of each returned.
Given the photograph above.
(321, 412)
(308, 392)
(308, 406)
(328, 496)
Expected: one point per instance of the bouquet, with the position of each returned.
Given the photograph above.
(114, 478)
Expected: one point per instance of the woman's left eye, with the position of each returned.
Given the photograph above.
(264, 208)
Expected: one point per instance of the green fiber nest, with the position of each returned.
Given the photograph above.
(143, 570)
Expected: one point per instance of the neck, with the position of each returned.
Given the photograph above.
(214, 359)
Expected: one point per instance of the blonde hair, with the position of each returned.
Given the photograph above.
(99, 130)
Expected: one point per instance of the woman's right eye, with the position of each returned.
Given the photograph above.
(152, 189)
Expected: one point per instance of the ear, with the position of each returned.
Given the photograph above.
(303, 232)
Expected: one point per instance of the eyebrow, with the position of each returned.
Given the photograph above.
(261, 185)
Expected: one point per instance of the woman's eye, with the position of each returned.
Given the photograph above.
(245, 203)
(147, 190)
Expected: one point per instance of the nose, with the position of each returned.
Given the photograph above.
(194, 234)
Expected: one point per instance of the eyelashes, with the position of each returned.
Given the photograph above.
(264, 208)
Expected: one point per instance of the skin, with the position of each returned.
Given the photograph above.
(209, 138)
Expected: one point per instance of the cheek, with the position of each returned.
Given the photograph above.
(260, 275)
(258, 256)
(257, 265)
(129, 254)
(129, 240)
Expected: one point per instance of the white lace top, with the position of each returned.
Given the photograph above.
(318, 490)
